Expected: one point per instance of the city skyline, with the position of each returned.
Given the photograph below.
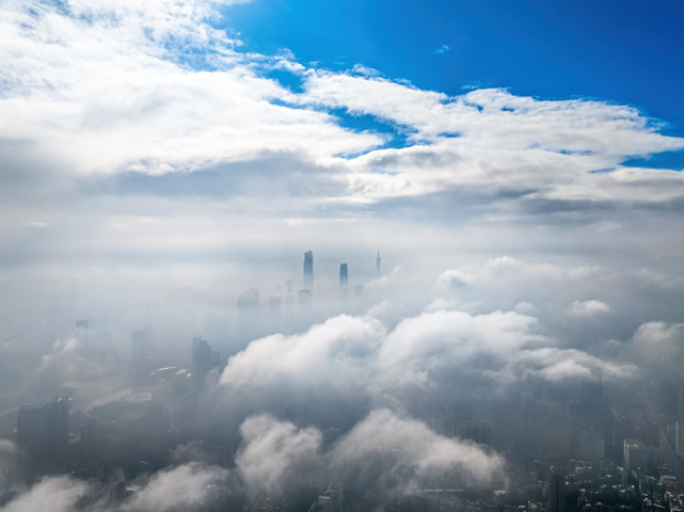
(341, 256)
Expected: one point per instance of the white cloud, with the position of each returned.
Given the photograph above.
(410, 445)
(56, 494)
(277, 455)
(273, 449)
(181, 488)
(588, 308)
(442, 49)
(356, 356)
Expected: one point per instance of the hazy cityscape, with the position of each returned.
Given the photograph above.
(341, 256)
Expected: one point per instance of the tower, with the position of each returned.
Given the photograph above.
(377, 264)
(308, 270)
(43, 436)
(344, 281)
(556, 491)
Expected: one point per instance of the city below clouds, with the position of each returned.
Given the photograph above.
(490, 272)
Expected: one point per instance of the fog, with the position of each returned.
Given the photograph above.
(514, 286)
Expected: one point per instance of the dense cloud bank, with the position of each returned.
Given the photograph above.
(186, 487)
(357, 356)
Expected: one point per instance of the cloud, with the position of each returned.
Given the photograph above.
(274, 450)
(356, 358)
(384, 448)
(588, 308)
(185, 487)
(442, 49)
(408, 449)
(365, 70)
(333, 355)
(56, 494)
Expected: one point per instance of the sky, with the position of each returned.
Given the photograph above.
(188, 138)
(517, 165)
(197, 139)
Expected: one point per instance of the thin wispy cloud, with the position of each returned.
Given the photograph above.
(442, 49)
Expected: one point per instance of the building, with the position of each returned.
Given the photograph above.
(377, 264)
(43, 436)
(637, 455)
(556, 491)
(679, 438)
(308, 271)
(480, 431)
(344, 281)
(591, 446)
(204, 359)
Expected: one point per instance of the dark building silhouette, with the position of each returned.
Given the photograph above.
(43, 436)
(344, 281)
(377, 264)
(556, 491)
(308, 271)
(204, 359)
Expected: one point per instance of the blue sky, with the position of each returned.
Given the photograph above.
(625, 52)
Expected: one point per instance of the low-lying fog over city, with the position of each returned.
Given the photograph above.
(362, 256)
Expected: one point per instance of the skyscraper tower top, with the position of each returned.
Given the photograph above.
(344, 280)
(377, 264)
(308, 270)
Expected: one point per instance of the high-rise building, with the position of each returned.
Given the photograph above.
(344, 281)
(43, 435)
(377, 264)
(203, 359)
(591, 446)
(308, 271)
(556, 491)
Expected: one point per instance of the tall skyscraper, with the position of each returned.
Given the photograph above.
(203, 359)
(556, 491)
(308, 271)
(43, 436)
(377, 264)
(344, 281)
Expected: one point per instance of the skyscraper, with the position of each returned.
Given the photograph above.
(377, 264)
(203, 359)
(308, 271)
(344, 281)
(43, 435)
(556, 491)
